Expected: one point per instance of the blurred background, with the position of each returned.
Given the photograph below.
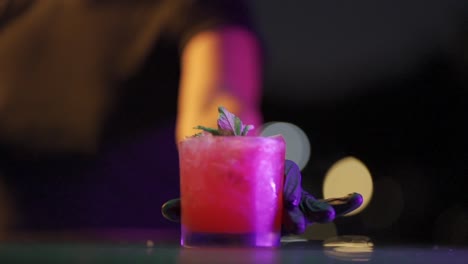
(370, 96)
(379, 87)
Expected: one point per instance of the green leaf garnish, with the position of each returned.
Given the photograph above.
(228, 125)
(212, 131)
(246, 129)
(237, 125)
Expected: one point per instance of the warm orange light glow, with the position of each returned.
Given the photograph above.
(219, 68)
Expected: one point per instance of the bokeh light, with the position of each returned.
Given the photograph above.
(297, 142)
(387, 204)
(346, 176)
(451, 227)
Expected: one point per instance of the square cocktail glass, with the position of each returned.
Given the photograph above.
(231, 191)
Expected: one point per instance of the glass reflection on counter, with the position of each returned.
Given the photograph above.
(349, 248)
(228, 255)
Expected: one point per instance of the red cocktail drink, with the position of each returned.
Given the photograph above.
(231, 190)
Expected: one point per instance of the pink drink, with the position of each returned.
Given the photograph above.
(231, 190)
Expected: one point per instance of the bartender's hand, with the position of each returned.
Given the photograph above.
(300, 208)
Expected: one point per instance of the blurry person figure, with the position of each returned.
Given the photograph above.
(95, 93)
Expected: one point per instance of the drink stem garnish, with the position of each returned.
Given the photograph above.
(228, 125)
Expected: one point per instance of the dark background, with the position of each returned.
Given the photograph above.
(386, 82)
